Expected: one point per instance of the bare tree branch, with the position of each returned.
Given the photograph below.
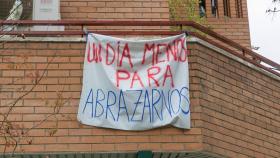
(13, 134)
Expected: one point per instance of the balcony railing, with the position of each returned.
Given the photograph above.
(216, 39)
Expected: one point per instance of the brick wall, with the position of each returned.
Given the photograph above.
(234, 108)
(239, 106)
(234, 28)
(112, 10)
(19, 64)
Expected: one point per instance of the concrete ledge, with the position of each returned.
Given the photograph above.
(43, 39)
(189, 39)
(225, 53)
(112, 155)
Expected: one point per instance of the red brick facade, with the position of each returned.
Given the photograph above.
(115, 10)
(239, 106)
(234, 105)
(234, 108)
(234, 27)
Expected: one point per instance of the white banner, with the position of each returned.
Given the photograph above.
(135, 84)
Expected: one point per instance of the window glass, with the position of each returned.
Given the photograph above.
(16, 9)
(238, 6)
(214, 8)
(227, 8)
(202, 8)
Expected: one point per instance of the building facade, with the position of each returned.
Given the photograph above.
(235, 102)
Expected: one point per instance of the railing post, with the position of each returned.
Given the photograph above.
(243, 53)
(82, 30)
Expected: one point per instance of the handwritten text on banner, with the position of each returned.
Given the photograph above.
(135, 84)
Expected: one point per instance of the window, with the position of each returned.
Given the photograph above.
(238, 6)
(7, 7)
(15, 10)
(214, 8)
(202, 10)
(227, 8)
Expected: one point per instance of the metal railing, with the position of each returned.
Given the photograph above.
(246, 54)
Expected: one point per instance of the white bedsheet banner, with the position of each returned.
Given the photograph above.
(135, 84)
